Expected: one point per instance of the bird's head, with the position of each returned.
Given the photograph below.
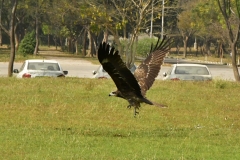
(114, 93)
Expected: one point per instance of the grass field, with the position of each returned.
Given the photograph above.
(72, 118)
(5, 56)
(212, 58)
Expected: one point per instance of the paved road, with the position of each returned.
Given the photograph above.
(83, 69)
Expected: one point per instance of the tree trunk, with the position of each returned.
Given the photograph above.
(105, 36)
(16, 41)
(124, 32)
(130, 54)
(89, 44)
(72, 45)
(219, 48)
(37, 36)
(84, 42)
(76, 46)
(48, 40)
(55, 41)
(61, 43)
(12, 42)
(208, 45)
(119, 47)
(234, 62)
(69, 44)
(94, 45)
(16, 37)
(185, 41)
(2, 1)
(233, 38)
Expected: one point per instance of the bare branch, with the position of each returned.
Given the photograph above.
(5, 30)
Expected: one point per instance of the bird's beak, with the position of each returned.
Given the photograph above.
(112, 94)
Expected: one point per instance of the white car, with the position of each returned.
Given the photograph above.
(192, 72)
(40, 68)
(101, 73)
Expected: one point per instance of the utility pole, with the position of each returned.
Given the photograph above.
(151, 21)
(162, 19)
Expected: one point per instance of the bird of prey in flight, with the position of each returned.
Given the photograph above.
(133, 87)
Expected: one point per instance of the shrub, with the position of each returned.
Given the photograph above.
(27, 45)
(144, 45)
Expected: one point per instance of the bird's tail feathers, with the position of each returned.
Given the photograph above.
(153, 103)
(159, 105)
(145, 100)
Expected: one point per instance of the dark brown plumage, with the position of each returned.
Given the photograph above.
(131, 87)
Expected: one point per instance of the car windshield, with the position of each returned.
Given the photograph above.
(43, 66)
(22, 67)
(191, 70)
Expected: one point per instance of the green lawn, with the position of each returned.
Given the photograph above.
(212, 58)
(5, 56)
(72, 118)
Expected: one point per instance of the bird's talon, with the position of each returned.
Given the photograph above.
(135, 111)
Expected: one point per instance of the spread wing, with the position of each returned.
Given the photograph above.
(121, 75)
(148, 70)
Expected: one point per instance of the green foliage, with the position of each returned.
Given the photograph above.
(143, 45)
(95, 28)
(46, 29)
(65, 31)
(238, 7)
(204, 25)
(124, 44)
(28, 43)
(44, 120)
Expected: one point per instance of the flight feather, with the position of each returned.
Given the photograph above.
(148, 70)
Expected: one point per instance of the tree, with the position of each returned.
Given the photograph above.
(125, 17)
(210, 30)
(187, 24)
(66, 20)
(231, 14)
(137, 20)
(46, 31)
(36, 11)
(186, 28)
(23, 19)
(200, 11)
(134, 14)
(12, 39)
(36, 28)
